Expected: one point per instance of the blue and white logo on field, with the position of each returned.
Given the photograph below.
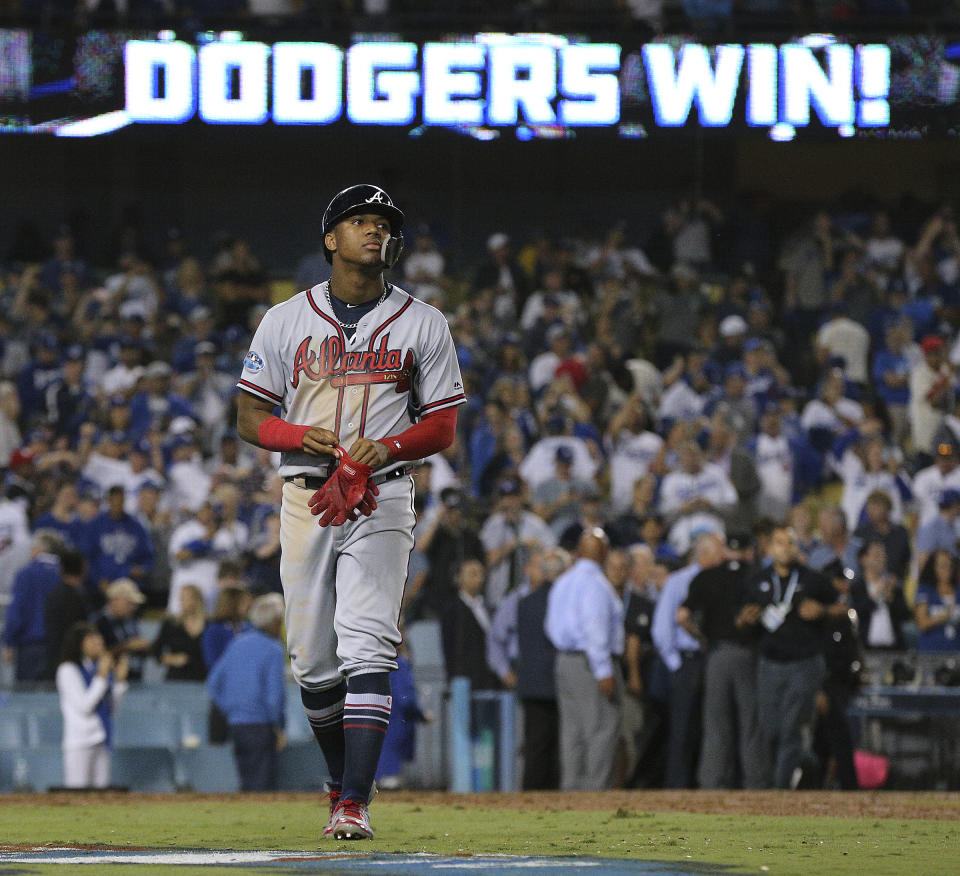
(343, 861)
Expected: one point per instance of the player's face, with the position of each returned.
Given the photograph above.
(92, 646)
(357, 239)
(783, 547)
(471, 577)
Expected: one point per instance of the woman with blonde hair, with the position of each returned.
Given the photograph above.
(178, 645)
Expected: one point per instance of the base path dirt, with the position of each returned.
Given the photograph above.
(930, 804)
(944, 806)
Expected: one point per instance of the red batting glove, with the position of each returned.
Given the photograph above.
(344, 492)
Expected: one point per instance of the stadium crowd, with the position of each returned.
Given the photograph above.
(745, 443)
(645, 17)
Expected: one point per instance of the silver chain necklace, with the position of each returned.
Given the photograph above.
(353, 325)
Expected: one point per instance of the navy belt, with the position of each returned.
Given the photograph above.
(314, 482)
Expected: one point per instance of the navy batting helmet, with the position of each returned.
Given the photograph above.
(365, 198)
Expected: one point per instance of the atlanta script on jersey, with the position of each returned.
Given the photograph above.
(399, 365)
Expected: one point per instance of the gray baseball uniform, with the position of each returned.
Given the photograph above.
(343, 584)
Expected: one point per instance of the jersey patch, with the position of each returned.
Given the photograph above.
(253, 362)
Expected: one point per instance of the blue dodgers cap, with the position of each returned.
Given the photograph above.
(735, 369)
(510, 488)
(75, 353)
(564, 454)
(47, 341)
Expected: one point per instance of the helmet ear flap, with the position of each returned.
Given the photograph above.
(390, 249)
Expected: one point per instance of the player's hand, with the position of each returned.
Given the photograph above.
(122, 668)
(822, 703)
(369, 452)
(320, 442)
(346, 494)
(810, 610)
(607, 687)
(749, 615)
(105, 664)
(281, 738)
(368, 504)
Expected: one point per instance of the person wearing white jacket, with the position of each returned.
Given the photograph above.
(90, 681)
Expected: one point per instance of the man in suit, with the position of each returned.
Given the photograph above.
(464, 627)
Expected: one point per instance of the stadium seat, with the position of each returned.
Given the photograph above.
(302, 767)
(8, 762)
(193, 723)
(178, 696)
(143, 769)
(28, 701)
(426, 646)
(206, 769)
(45, 726)
(139, 729)
(298, 727)
(44, 767)
(12, 729)
(153, 672)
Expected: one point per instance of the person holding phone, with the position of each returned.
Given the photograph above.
(90, 682)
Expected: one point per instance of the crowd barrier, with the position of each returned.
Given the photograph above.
(472, 743)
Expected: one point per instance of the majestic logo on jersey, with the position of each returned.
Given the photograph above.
(352, 367)
(380, 197)
(253, 362)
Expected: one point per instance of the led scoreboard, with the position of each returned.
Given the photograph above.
(486, 85)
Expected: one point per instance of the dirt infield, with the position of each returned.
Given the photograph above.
(943, 806)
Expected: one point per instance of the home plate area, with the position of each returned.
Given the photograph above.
(342, 862)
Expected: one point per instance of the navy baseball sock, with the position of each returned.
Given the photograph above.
(324, 710)
(366, 714)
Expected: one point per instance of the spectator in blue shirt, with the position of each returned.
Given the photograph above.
(226, 622)
(891, 378)
(156, 405)
(64, 259)
(938, 603)
(25, 629)
(247, 684)
(119, 545)
(584, 621)
(682, 654)
(941, 532)
(36, 377)
(63, 516)
(69, 400)
(400, 742)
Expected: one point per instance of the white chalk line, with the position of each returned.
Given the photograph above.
(48, 855)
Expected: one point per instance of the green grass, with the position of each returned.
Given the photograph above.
(784, 845)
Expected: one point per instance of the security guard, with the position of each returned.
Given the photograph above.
(729, 753)
(787, 602)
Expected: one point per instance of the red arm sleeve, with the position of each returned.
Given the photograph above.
(277, 434)
(432, 434)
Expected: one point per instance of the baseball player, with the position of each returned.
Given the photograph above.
(367, 383)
